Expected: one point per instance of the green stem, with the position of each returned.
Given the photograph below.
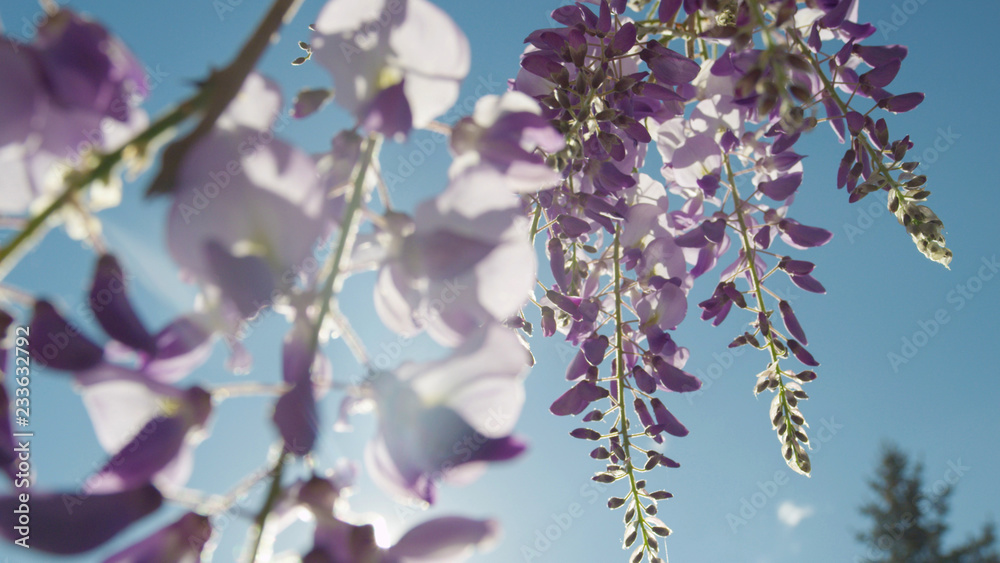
(750, 254)
(103, 169)
(213, 97)
(876, 156)
(620, 373)
(348, 231)
(272, 497)
(222, 86)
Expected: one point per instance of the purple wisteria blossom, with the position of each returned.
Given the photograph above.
(147, 425)
(69, 524)
(463, 260)
(501, 136)
(181, 541)
(449, 539)
(396, 64)
(443, 419)
(69, 92)
(228, 228)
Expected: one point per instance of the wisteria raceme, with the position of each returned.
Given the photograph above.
(757, 82)
(717, 92)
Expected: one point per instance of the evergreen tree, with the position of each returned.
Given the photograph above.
(908, 522)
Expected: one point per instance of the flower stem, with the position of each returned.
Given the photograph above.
(221, 87)
(749, 252)
(620, 373)
(102, 169)
(272, 497)
(348, 230)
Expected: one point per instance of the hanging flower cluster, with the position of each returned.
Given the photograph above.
(750, 78)
(722, 89)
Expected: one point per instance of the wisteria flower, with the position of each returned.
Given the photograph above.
(442, 419)
(445, 539)
(148, 426)
(229, 228)
(463, 260)
(502, 135)
(71, 525)
(183, 540)
(396, 64)
(61, 98)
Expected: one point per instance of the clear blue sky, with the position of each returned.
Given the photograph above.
(941, 405)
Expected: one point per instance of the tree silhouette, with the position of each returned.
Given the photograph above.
(908, 518)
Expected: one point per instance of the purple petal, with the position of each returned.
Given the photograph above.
(74, 523)
(808, 283)
(59, 345)
(564, 303)
(782, 188)
(643, 380)
(444, 538)
(878, 55)
(640, 409)
(246, 280)
(308, 102)
(668, 10)
(576, 399)
(184, 540)
(836, 16)
(855, 122)
(548, 322)
(572, 226)
(791, 322)
(594, 349)
(297, 419)
(557, 262)
(156, 445)
(668, 66)
(181, 346)
(388, 113)
(540, 64)
(667, 420)
(803, 236)
(674, 378)
(902, 103)
(881, 76)
(111, 306)
(624, 38)
(801, 354)
(86, 67)
(443, 255)
(797, 267)
(763, 237)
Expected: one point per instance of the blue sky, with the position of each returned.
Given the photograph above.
(735, 500)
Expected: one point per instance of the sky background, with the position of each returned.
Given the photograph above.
(941, 405)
